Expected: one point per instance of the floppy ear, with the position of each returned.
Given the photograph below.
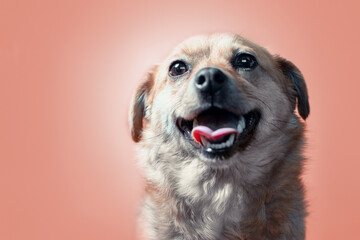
(298, 84)
(138, 106)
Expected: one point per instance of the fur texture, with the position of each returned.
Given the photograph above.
(254, 194)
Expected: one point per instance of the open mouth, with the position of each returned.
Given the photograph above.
(217, 132)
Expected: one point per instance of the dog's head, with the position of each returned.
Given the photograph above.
(220, 96)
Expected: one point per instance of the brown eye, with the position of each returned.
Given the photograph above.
(178, 68)
(244, 61)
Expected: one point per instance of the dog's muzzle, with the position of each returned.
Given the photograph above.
(217, 130)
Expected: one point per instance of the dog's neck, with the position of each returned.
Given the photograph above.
(203, 202)
(213, 203)
(194, 200)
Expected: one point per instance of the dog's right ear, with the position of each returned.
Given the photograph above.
(138, 105)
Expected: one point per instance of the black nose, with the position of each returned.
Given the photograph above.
(210, 80)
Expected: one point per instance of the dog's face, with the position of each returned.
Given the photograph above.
(220, 100)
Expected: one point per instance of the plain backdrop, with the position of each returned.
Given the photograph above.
(68, 70)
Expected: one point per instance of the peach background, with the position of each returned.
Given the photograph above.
(67, 72)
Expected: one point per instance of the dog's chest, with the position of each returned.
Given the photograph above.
(213, 217)
(214, 208)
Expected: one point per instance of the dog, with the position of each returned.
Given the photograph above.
(220, 143)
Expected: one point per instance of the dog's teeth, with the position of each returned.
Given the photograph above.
(230, 141)
(242, 121)
(195, 122)
(241, 124)
(204, 141)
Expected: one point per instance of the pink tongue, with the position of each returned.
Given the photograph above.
(209, 134)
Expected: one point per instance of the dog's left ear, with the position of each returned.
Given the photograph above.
(297, 82)
(139, 106)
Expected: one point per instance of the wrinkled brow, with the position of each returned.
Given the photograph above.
(193, 52)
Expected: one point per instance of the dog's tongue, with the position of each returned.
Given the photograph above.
(212, 136)
(214, 126)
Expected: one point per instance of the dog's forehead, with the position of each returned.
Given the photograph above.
(223, 45)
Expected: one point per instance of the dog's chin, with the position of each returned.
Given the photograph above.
(217, 134)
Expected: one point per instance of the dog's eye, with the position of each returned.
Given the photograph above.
(244, 61)
(178, 68)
